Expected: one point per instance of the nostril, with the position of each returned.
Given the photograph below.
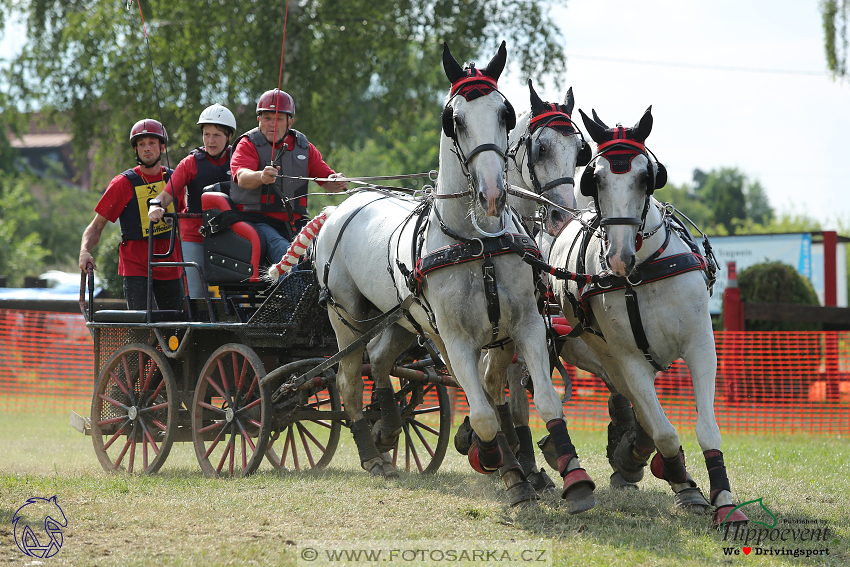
(482, 200)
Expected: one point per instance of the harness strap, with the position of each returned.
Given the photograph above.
(637, 328)
(659, 269)
(471, 250)
(491, 295)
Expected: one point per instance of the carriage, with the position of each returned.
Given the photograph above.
(246, 375)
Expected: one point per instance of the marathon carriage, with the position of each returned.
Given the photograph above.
(201, 375)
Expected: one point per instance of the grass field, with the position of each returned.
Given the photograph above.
(179, 517)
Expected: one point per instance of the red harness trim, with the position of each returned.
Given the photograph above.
(477, 78)
(616, 141)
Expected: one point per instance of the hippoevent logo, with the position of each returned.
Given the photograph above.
(37, 526)
(794, 537)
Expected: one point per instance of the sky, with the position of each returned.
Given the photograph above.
(778, 118)
(782, 128)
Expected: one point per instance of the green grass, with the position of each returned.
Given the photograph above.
(179, 517)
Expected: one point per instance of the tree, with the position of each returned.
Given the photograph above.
(834, 16)
(775, 282)
(355, 67)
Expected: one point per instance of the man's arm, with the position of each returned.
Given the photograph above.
(248, 179)
(91, 236)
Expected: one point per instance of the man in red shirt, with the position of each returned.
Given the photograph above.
(256, 164)
(204, 166)
(126, 201)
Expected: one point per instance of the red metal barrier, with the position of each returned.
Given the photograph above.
(766, 382)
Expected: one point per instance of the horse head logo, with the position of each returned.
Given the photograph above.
(38, 527)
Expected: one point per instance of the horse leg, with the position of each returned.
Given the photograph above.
(669, 463)
(350, 383)
(622, 425)
(702, 363)
(520, 491)
(518, 403)
(383, 351)
(578, 486)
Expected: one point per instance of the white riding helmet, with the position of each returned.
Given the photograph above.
(218, 114)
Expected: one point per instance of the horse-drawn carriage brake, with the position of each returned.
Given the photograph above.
(200, 374)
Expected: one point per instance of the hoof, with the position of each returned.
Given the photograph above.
(691, 500)
(617, 482)
(380, 466)
(623, 461)
(721, 516)
(465, 437)
(520, 492)
(548, 448)
(541, 482)
(384, 444)
(578, 491)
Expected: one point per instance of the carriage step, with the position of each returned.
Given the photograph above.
(80, 423)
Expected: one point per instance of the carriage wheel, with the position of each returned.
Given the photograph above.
(308, 443)
(134, 410)
(231, 413)
(426, 427)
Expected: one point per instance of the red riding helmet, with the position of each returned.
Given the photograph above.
(148, 127)
(276, 100)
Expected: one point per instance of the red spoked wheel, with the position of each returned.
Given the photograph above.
(308, 438)
(231, 413)
(426, 426)
(134, 410)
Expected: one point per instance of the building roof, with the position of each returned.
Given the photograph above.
(53, 140)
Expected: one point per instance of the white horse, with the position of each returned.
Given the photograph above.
(651, 306)
(546, 147)
(470, 291)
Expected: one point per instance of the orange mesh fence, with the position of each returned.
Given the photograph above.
(46, 362)
(766, 382)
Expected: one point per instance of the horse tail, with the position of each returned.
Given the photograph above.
(299, 244)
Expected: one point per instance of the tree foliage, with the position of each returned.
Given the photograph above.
(834, 15)
(356, 68)
(776, 282)
(722, 201)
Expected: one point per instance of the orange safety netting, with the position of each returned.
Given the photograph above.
(766, 382)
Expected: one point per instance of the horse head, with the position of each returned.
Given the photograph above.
(547, 154)
(621, 179)
(476, 121)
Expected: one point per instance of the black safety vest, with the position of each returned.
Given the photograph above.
(134, 218)
(292, 162)
(208, 174)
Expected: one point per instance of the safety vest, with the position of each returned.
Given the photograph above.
(208, 174)
(266, 199)
(134, 218)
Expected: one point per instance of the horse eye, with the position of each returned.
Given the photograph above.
(542, 148)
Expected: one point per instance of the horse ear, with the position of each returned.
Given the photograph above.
(569, 101)
(597, 119)
(644, 125)
(497, 64)
(453, 70)
(537, 105)
(596, 131)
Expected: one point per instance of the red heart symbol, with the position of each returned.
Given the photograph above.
(747, 550)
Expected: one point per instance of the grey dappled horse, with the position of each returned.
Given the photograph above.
(651, 309)
(546, 147)
(368, 261)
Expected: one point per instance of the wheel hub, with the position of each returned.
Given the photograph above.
(228, 415)
(133, 413)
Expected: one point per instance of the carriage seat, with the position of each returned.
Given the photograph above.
(232, 255)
